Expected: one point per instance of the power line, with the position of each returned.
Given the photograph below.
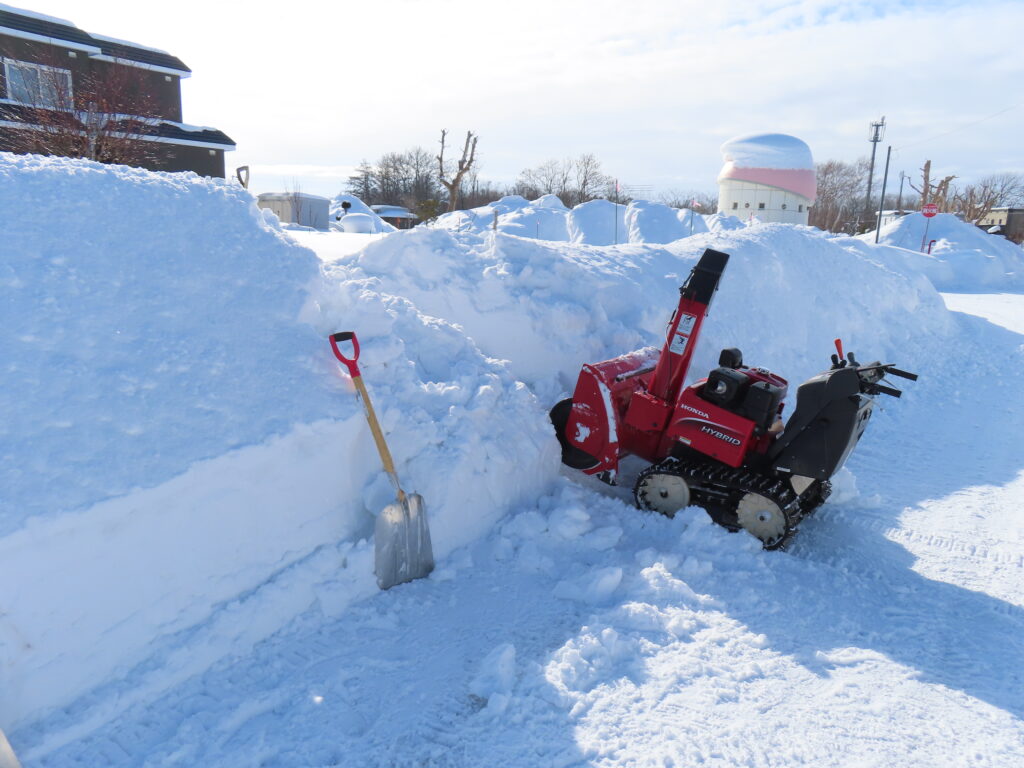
(961, 127)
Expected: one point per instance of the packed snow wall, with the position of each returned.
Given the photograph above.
(177, 436)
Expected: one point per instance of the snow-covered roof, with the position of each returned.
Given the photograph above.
(393, 211)
(774, 159)
(286, 196)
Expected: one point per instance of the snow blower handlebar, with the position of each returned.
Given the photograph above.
(870, 375)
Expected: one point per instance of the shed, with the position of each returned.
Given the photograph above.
(396, 215)
(298, 208)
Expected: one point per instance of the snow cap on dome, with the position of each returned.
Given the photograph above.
(775, 159)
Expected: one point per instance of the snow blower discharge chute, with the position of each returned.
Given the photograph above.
(719, 443)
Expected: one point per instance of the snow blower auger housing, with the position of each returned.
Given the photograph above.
(719, 443)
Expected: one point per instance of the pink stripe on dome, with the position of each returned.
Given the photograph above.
(799, 181)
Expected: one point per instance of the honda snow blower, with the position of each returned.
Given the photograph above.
(719, 443)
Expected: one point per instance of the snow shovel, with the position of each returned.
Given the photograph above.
(401, 539)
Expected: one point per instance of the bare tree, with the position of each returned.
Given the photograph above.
(591, 181)
(976, 201)
(106, 115)
(549, 178)
(934, 193)
(399, 178)
(363, 183)
(451, 177)
(297, 201)
(841, 189)
(703, 202)
(574, 181)
(477, 191)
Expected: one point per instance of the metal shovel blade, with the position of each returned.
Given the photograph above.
(402, 549)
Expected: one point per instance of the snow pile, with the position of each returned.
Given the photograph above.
(192, 472)
(718, 222)
(963, 258)
(597, 222)
(176, 432)
(369, 221)
(549, 307)
(656, 223)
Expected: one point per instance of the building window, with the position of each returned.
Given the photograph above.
(783, 206)
(746, 205)
(735, 206)
(72, 55)
(800, 209)
(213, 151)
(167, 78)
(37, 85)
(760, 206)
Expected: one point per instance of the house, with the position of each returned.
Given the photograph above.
(769, 176)
(396, 216)
(64, 91)
(1005, 221)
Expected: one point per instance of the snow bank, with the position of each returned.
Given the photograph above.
(597, 222)
(151, 325)
(182, 451)
(372, 224)
(718, 222)
(549, 307)
(656, 223)
(964, 257)
(176, 432)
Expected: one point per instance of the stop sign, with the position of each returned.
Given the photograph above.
(929, 210)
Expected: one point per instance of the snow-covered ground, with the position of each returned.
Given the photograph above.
(211, 602)
(1000, 308)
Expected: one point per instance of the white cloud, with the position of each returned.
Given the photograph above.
(652, 87)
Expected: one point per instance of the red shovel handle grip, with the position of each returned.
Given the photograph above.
(350, 362)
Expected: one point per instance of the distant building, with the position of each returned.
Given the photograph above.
(396, 216)
(298, 208)
(888, 217)
(1008, 222)
(44, 63)
(769, 176)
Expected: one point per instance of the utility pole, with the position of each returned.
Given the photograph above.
(875, 136)
(899, 198)
(881, 203)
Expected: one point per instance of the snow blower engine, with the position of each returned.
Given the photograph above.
(719, 443)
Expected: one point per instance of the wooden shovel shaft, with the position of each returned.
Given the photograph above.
(378, 437)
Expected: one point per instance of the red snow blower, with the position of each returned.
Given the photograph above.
(719, 443)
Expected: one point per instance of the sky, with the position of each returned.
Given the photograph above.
(653, 88)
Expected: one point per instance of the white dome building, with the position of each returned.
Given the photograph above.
(767, 175)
